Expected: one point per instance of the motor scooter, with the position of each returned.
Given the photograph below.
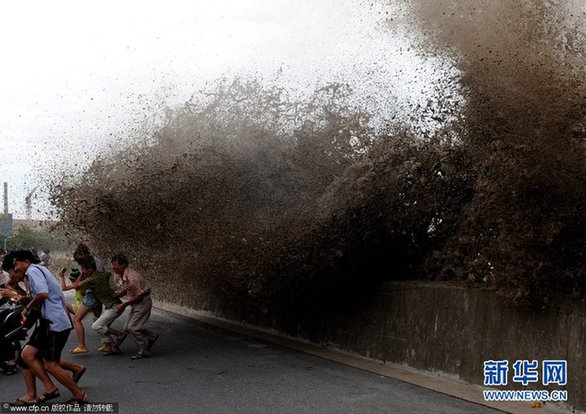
(13, 326)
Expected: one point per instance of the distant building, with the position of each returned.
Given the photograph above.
(34, 225)
(6, 225)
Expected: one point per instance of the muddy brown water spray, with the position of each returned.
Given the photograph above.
(260, 206)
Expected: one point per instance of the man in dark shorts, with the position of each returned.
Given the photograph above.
(42, 354)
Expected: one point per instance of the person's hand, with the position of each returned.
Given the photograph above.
(24, 312)
(8, 293)
(16, 298)
(120, 308)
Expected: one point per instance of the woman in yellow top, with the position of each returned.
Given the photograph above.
(79, 310)
(79, 294)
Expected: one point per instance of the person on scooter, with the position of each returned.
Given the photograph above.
(9, 290)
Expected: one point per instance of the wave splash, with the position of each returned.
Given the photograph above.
(250, 202)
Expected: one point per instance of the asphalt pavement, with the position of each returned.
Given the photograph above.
(197, 368)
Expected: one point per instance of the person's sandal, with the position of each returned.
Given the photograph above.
(79, 350)
(10, 369)
(139, 355)
(119, 341)
(46, 396)
(79, 400)
(104, 348)
(19, 402)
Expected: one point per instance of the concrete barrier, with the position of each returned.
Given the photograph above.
(452, 330)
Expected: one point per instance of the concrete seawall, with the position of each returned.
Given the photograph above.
(452, 330)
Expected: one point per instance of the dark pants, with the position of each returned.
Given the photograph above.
(49, 344)
(136, 324)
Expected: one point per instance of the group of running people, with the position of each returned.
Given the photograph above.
(31, 285)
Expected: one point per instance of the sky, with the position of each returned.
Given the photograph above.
(77, 77)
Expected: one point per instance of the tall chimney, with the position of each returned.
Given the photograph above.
(5, 198)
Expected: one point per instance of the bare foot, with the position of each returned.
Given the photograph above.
(25, 400)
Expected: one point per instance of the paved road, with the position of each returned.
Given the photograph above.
(200, 369)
